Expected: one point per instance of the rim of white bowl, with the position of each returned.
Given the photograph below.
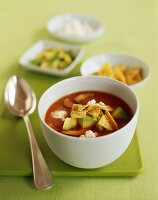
(96, 138)
(136, 85)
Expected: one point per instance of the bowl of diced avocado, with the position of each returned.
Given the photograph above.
(51, 58)
(54, 58)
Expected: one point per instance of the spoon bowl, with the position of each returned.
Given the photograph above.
(19, 97)
(21, 101)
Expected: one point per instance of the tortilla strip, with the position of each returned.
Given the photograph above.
(74, 132)
(78, 107)
(106, 69)
(78, 114)
(94, 111)
(108, 122)
(111, 120)
(78, 111)
(105, 107)
(119, 75)
(133, 75)
(120, 67)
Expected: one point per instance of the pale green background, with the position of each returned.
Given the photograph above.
(131, 27)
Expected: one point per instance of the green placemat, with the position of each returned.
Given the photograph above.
(15, 157)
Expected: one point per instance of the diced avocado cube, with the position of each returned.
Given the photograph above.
(71, 53)
(53, 59)
(69, 123)
(55, 64)
(36, 61)
(87, 121)
(119, 113)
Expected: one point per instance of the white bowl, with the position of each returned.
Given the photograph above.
(40, 46)
(94, 64)
(58, 21)
(89, 152)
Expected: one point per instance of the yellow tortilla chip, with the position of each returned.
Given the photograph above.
(106, 107)
(78, 114)
(133, 75)
(111, 120)
(78, 111)
(102, 121)
(78, 107)
(133, 71)
(119, 76)
(105, 122)
(120, 67)
(108, 122)
(93, 110)
(122, 73)
(106, 69)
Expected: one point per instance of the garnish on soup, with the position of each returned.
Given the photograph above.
(88, 114)
(122, 73)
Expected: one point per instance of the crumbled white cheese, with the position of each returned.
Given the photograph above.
(101, 103)
(82, 136)
(75, 27)
(91, 102)
(88, 134)
(61, 114)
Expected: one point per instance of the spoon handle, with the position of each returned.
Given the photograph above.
(42, 175)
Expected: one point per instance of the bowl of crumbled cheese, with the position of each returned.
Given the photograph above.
(75, 28)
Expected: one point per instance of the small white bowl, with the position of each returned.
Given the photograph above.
(89, 152)
(58, 21)
(94, 64)
(40, 46)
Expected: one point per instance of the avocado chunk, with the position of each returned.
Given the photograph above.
(119, 113)
(69, 123)
(55, 63)
(36, 61)
(87, 121)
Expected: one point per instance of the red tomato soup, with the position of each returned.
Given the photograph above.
(88, 114)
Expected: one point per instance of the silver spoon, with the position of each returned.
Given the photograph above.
(21, 101)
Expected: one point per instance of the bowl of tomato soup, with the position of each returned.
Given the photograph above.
(88, 122)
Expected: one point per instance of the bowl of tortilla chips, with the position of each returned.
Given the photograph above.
(125, 68)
